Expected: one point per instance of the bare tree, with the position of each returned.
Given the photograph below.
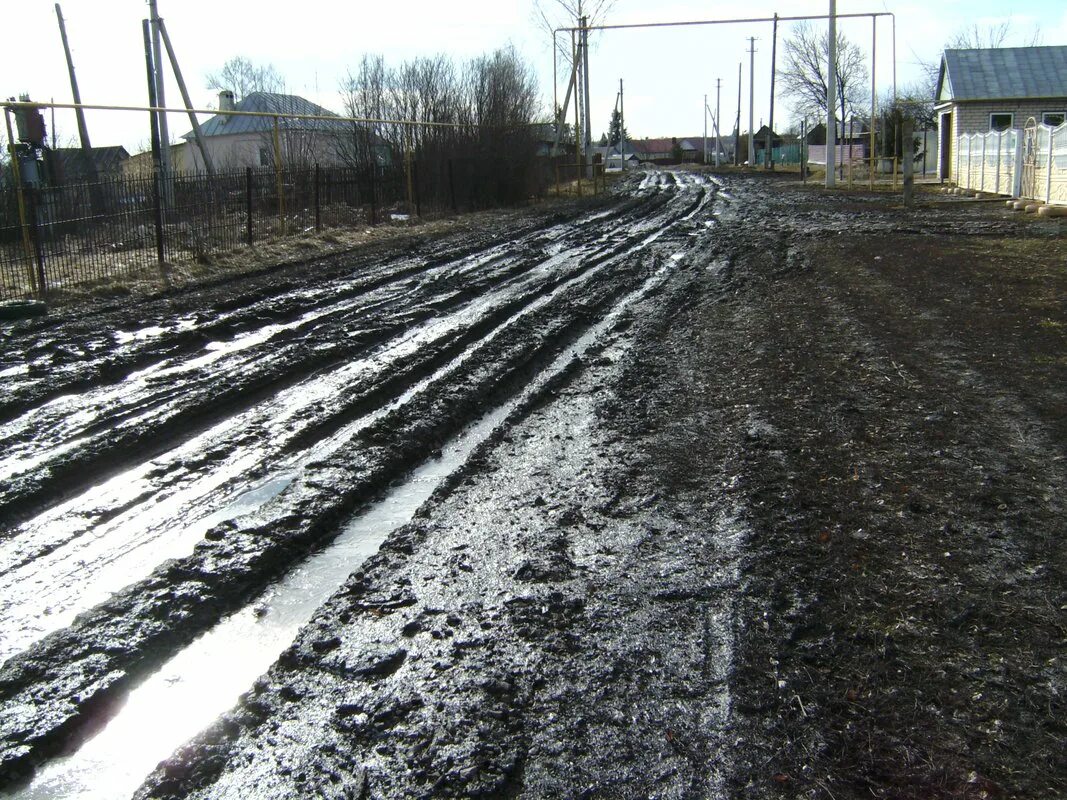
(807, 54)
(552, 14)
(240, 76)
(478, 113)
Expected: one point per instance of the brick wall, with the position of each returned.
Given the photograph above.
(974, 117)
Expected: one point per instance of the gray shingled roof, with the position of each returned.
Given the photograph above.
(265, 102)
(1005, 73)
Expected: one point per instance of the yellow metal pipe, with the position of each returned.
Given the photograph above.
(11, 104)
(278, 175)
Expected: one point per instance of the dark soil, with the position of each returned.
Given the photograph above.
(793, 527)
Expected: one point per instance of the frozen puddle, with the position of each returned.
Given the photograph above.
(199, 683)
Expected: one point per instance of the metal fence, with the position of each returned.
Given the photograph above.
(125, 227)
(1028, 163)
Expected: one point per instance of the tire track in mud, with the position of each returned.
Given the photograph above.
(61, 355)
(66, 680)
(294, 441)
(124, 424)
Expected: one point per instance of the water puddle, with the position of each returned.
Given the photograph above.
(166, 509)
(198, 684)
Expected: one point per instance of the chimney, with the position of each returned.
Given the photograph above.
(226, 100)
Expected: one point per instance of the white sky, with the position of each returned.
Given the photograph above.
(314, 42)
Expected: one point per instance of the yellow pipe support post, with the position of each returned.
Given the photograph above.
(874, 96)
(23, 222)
(407, 175)
(279, 185)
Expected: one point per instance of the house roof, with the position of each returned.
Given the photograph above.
(1003, 73)
(270, 103)
(661, 145)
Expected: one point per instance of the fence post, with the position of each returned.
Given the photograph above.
(1000, 140)
(415, 179)
(981, 173)
(1017, 175)
(908, 154)
(1048, 177)
(248, 204)
(452, 187)
(960, 181)
(373, 194)
(318, 208)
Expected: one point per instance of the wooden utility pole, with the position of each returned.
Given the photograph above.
(737, 127)
(751, 100)
(768, 160)
(718, 132)
(572, 88)
(164, 133)
(154, 125)
(705, 129)
(83, 129)
(197, 133)
(622, 127)
(576, 53)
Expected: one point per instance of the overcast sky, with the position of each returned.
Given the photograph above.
(314, 42)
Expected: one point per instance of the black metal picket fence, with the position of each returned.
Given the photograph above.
(90, 233)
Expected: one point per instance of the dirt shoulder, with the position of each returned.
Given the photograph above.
(904, 477)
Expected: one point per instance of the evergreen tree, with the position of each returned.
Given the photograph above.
(616, 130)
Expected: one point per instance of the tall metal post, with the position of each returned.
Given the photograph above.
(751, 100)
(278, 182)
(831, 100)
(907, 128)
(718, 123)
(704, 108)
(737, 126)
(622, 127)
(161, 99)
(874, 98)
(768, 161)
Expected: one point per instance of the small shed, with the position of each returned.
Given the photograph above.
(991, 89)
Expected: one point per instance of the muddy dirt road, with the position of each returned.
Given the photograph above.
(719, 487)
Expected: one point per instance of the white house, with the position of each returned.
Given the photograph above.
(997, 89)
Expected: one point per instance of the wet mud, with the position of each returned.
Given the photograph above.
(788, 523)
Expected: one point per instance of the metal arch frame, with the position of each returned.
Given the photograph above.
(752, 20)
